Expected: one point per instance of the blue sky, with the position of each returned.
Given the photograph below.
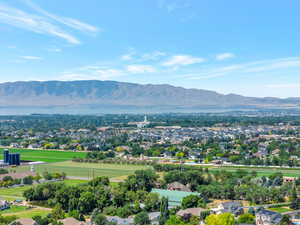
(230, 46)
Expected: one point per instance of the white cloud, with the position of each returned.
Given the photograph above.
(129, 56)
(182, 60)
(152, 56)
(224, 56)
(46, 23)
(284, 86)
(105, 74)
(92, 72)
(133, 55)
(173, 5)
(140, 69)
(29, 57)
(70, 22)
(54, 50)
(249, 68)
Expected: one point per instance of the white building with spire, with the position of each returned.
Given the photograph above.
(143, 123)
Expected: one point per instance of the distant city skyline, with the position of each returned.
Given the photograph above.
(243, 47)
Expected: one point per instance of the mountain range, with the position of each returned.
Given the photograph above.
(95, 96)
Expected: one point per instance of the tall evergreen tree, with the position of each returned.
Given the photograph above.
(164, 210)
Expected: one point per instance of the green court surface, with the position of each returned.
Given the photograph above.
(175, 197)
(45, 155)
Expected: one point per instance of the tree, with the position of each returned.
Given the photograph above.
(87, 202)
(142, 218)
(164, 210)
(99, 181)
(221, 219)
(246, 218)
(47, 176)
(141, 180)
(28, 180)
(293, 195)
(15, 223)
(285, 220)
(99, 219)
(193, 201)
(75, 214)
(295, 204)
(173, 220)
(58, 213)
(41, 220)
(251, 211)
(7, 178)
(152, 202)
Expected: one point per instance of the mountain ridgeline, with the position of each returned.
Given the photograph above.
(119, 97)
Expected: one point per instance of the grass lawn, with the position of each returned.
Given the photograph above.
(289, 172)
(280, 209)
(87, 170)
(45, 155)
(29, 213)
(11, 194)
(14, 209)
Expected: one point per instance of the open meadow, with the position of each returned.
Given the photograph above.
(85, 170)
(261, 171)
(27, 212)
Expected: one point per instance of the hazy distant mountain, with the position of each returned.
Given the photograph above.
(106, 96)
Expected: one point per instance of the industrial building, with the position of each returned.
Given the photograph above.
(11, 158)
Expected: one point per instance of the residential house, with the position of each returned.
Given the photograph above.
(25, 221)
(267, 217)
(154, 217)
(72, 221)
(4, 205)
(120, 221)
(176, 186)
(185, 213)
(233, 207)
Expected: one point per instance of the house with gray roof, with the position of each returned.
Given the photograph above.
(267, 217)
(233, 207)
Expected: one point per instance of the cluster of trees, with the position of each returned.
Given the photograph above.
(247, 186)
(7, 219)
(51, 176)
(241, 185)
(43, 123)
(134, 197)
(128, 198)
(8, 181)
(117, 161)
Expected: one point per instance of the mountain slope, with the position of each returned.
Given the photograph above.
(119, 94)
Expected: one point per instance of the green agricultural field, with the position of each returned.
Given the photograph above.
(289, 172)
(90, 170)
(46, 155)
(85, 170)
